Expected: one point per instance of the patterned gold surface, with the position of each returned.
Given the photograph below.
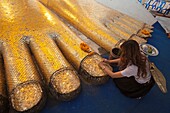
(70, 47)
(71, 10)
(129, 27)
(135, 22)
(18, 64)
(29, 18)
(93, 69)
(50, 59)
(20, 19)
(69, 44)
(61, 81)
(19, 69)
(47, 55)
(124, 33)
(90, 17)
(26, 96)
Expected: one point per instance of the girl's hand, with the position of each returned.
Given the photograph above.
(102, 65)
(105, 60)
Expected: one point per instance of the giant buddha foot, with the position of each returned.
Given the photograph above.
(40, 53)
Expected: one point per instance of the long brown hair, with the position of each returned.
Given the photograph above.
(131, 55)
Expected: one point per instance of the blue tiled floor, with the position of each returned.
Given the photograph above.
(107, 98)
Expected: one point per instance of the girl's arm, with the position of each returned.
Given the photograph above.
(109, 72)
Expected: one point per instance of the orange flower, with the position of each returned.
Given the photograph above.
(85, 47)
(145, 32)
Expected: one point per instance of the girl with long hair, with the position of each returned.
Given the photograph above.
(133, 78)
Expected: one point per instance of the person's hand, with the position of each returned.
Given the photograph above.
(102, 65)
(105, 60)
